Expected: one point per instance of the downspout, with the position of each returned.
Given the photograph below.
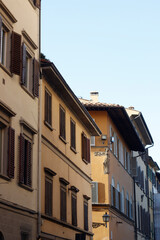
(135, 208)
(39, 136)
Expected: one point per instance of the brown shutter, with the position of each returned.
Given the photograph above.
(21, 158)
(11, 148)
(48, 196)
(16, 53)
(82, 142)
(74, 210)
(49, 109)
(0, 33)
(29, 165)
(73, 135)
(63, 204)
(46, 106)
(35, 77)
(62, 123)
(88, 150)
(23, 73)
(86, 216)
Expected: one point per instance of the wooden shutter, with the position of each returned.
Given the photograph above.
(74, 210)
(21, 158)
(29, 164)
(85, 215)
(63, 203)
(73, 144)
(48, 196)
(62, 124)
(16, 53)
(114, 197)
(36, 71)
(82, 143)
(23, 72)
(0, 34)
(11, 149)
(88, 150)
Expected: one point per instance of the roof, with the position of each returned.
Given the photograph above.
(59, 85)
(138, 118)
(122, 121)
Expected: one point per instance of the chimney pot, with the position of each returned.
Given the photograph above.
(94, 96)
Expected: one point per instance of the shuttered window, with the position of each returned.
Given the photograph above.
(48, 107)
(25, 168)
(29, 71)
(48, 195)
(62, 124)
(85, 215)
(73, 134)
(74, 209)
(5, 44)
(85, 148)
(63, 203)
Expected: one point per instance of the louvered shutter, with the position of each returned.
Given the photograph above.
(46, 106)
(48, 197)
(23, 73)
(62, 123)
(73, 144)
(88, 150)
(82, 142)
(21, 158)
(74, 210)
(36, 71)
(11, 149)
(86, 216)
(0, 34)
(29, 165)
(63, 204)
(49, 110)
(16, 53)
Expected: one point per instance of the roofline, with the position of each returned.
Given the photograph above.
(51, 66)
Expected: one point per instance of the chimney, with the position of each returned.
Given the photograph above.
(131, 108)
(94, 96)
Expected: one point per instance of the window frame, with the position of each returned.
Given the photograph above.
(48, 108)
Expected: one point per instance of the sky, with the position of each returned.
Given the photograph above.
(109, 46)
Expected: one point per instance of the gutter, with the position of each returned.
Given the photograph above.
(39, 138)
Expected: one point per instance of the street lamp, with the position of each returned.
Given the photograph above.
(105, 218)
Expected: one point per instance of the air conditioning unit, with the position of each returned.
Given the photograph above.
(94, 192)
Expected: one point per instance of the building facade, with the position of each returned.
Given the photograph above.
(113, 186)
(19, 76)
(66, 169)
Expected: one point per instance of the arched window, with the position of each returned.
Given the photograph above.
(118, 197)
(122, 200)
(1, 236)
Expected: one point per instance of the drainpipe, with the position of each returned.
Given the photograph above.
(135, 208)
(39, 138)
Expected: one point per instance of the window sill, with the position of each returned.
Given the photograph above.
(74, 150)
(6, 70)
(48, 125)
(85, 161)
(27, 91)
(62, 139)
(26, 187)
(5, 177)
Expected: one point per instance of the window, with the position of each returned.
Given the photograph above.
(127, 205)
(122, 200)
(92, 141)
(48, 107)
(7, 142)
(62, 124)
(48, 195)
(24, 236)
(85, 148)
(73, 134)
(30, 71)
(113, 193)
(25, 154)
(1, 236)
(63, 199)
(4, 44)
(85, 214)
(74, 209)
(117, 197)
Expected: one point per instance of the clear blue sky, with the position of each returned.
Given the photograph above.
(109, 46)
